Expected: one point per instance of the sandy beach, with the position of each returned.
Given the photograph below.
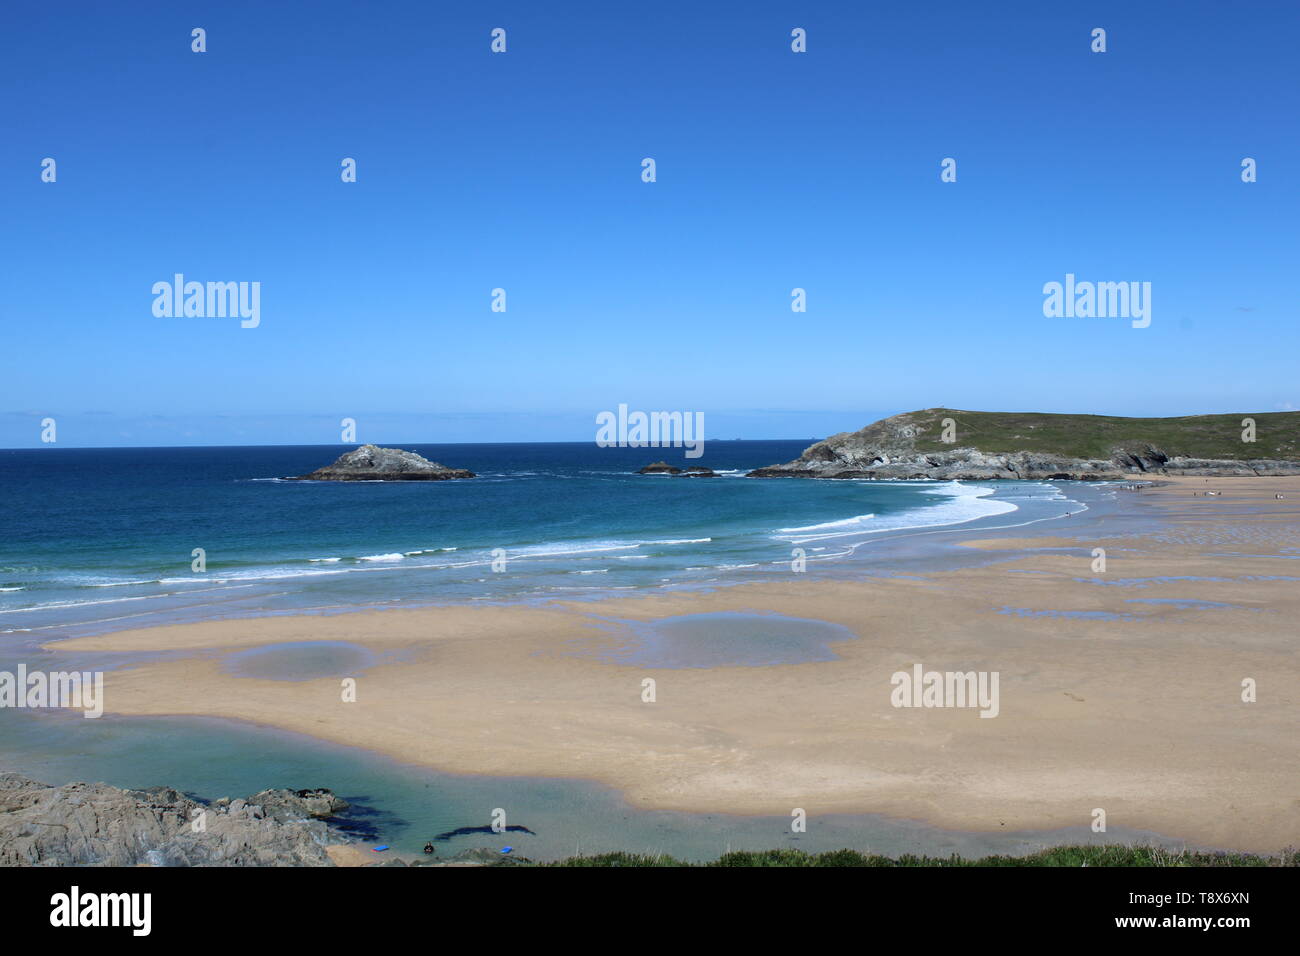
(1119, 690)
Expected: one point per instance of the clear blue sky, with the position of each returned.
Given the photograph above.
(522, 171)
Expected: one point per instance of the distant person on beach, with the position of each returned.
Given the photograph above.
(428, 848)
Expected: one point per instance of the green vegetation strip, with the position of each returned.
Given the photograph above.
(1058, 856)
(1095, 436)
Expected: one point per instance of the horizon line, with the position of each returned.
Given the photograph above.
(57, 445)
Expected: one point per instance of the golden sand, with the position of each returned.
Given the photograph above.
(1135, 708)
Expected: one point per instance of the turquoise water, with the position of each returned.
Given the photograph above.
(405, 806)
(99, 539)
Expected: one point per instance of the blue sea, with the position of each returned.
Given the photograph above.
(101, 539)
(93, 540)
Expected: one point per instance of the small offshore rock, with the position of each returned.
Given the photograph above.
(659, 468)
(698, 471)
(372, 463)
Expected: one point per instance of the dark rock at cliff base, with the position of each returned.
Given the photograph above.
(949, 444)
(659, 468)
(963, 464)
(93, 824)
(372, 463)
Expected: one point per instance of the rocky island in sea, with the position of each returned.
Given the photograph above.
(372, 463)
(663, 468)
(950, 444)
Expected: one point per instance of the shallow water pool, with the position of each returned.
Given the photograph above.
(727, 639)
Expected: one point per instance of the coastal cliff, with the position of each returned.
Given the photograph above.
(372, 463)
(1035, 446)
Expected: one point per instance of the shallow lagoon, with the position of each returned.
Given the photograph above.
(727, 639)
(405, 806)
(299, 661)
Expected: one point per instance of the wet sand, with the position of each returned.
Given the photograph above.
(1119, 690)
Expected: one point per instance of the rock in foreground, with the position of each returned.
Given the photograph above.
(372, 463)
(93, 824)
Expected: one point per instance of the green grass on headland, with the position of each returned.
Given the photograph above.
(1096, 436)
(1145, 856)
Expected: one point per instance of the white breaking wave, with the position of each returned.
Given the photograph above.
(56, 605)
(575, 547)
(843, 526)
(966, 503)
(256, 574)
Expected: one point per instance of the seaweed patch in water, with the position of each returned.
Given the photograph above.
(363, 819)
(463, 831)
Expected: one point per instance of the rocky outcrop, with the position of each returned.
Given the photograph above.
(372, 463)
(962, 464)
(903, 447)
(93, 824)
(663, 468)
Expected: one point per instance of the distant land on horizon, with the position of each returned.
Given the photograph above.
(1214, 437)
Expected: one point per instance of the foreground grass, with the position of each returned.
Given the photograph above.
(1057, 856)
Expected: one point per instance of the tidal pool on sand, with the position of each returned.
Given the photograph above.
(726, 639)
(297, 661)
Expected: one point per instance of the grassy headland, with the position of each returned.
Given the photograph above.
(1097, 436)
